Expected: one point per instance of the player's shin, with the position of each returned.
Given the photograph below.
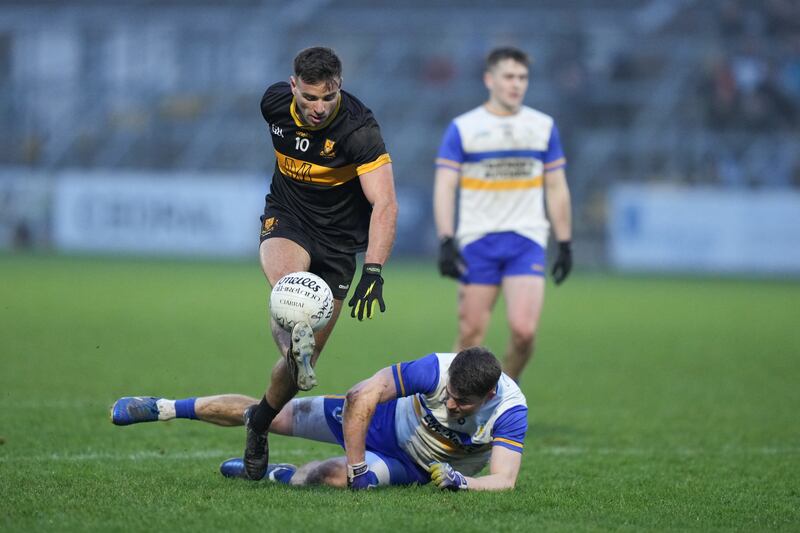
(256, 452)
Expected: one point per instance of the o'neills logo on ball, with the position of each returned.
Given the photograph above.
(298, 280)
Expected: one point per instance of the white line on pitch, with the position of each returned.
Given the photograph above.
(139, 456)
(554, 450)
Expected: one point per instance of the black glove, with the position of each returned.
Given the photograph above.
(451, 264)
(368, 292)
(563, 263)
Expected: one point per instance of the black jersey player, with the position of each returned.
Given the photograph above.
(332, 196)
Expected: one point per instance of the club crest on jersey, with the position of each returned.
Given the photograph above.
(269, 225)
(327, 150)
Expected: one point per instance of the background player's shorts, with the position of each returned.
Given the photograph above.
(497, 255)
(320, 418)
(335, 267)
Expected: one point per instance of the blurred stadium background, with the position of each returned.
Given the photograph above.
(128, 125)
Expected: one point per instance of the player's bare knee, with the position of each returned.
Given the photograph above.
(471, 331)
(328, 472)
(522, 334)
(283, 424)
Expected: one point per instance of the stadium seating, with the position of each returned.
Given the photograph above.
(642, 90)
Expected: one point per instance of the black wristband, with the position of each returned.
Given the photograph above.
(373, 268)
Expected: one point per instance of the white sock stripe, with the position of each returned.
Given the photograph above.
(166, 409)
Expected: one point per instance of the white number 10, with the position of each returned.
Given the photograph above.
(301, 144)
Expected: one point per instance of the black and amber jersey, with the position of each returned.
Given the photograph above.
(317, 167)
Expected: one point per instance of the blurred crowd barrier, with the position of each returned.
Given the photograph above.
(661, 228)
(668, 228)
(697, 93)
(152, 213)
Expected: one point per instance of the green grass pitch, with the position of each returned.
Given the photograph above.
(655, 404)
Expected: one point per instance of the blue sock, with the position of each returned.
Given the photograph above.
(185, 408)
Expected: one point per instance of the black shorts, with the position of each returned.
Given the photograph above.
(333, 266)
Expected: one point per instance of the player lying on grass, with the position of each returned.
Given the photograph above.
(439, 418)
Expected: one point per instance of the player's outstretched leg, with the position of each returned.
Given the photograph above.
(222, 409)
(135, 409)
(299, 356)
(279, 472)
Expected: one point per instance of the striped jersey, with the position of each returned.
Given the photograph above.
(501, 161)
(316, 167)
(425, 431)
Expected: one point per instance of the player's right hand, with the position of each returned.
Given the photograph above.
(360, 477)
(451, 264)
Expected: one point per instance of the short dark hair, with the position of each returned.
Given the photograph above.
(317, 64)
(474, 372)
(507, 52)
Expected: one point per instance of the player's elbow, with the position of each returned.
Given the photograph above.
(505, 481)
(355, 396)
(352, 396)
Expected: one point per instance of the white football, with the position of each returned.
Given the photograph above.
(301, 296)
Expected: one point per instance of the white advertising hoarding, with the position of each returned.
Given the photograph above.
(169, 214)
(668, 228)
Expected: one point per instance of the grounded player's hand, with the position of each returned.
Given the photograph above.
(451, 264)
(368, 293)
(445, 477)
(360, 477)
(563, 263)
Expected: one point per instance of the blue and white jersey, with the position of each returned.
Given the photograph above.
(501, 161)
(426, 433)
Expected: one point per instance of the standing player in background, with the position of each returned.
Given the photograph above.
(507, 160)
(332, 195)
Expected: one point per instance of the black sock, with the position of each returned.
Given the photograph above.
(263, 416)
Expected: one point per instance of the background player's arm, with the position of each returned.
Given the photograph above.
(378, 187)
(360, 405)
(503, 470)
(444, 200)
(558, 204)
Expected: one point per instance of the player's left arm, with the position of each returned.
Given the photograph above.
(503, 470)
(557, 199)
(560, 214)
(559, 210)
(504, 462)
(378, 187)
